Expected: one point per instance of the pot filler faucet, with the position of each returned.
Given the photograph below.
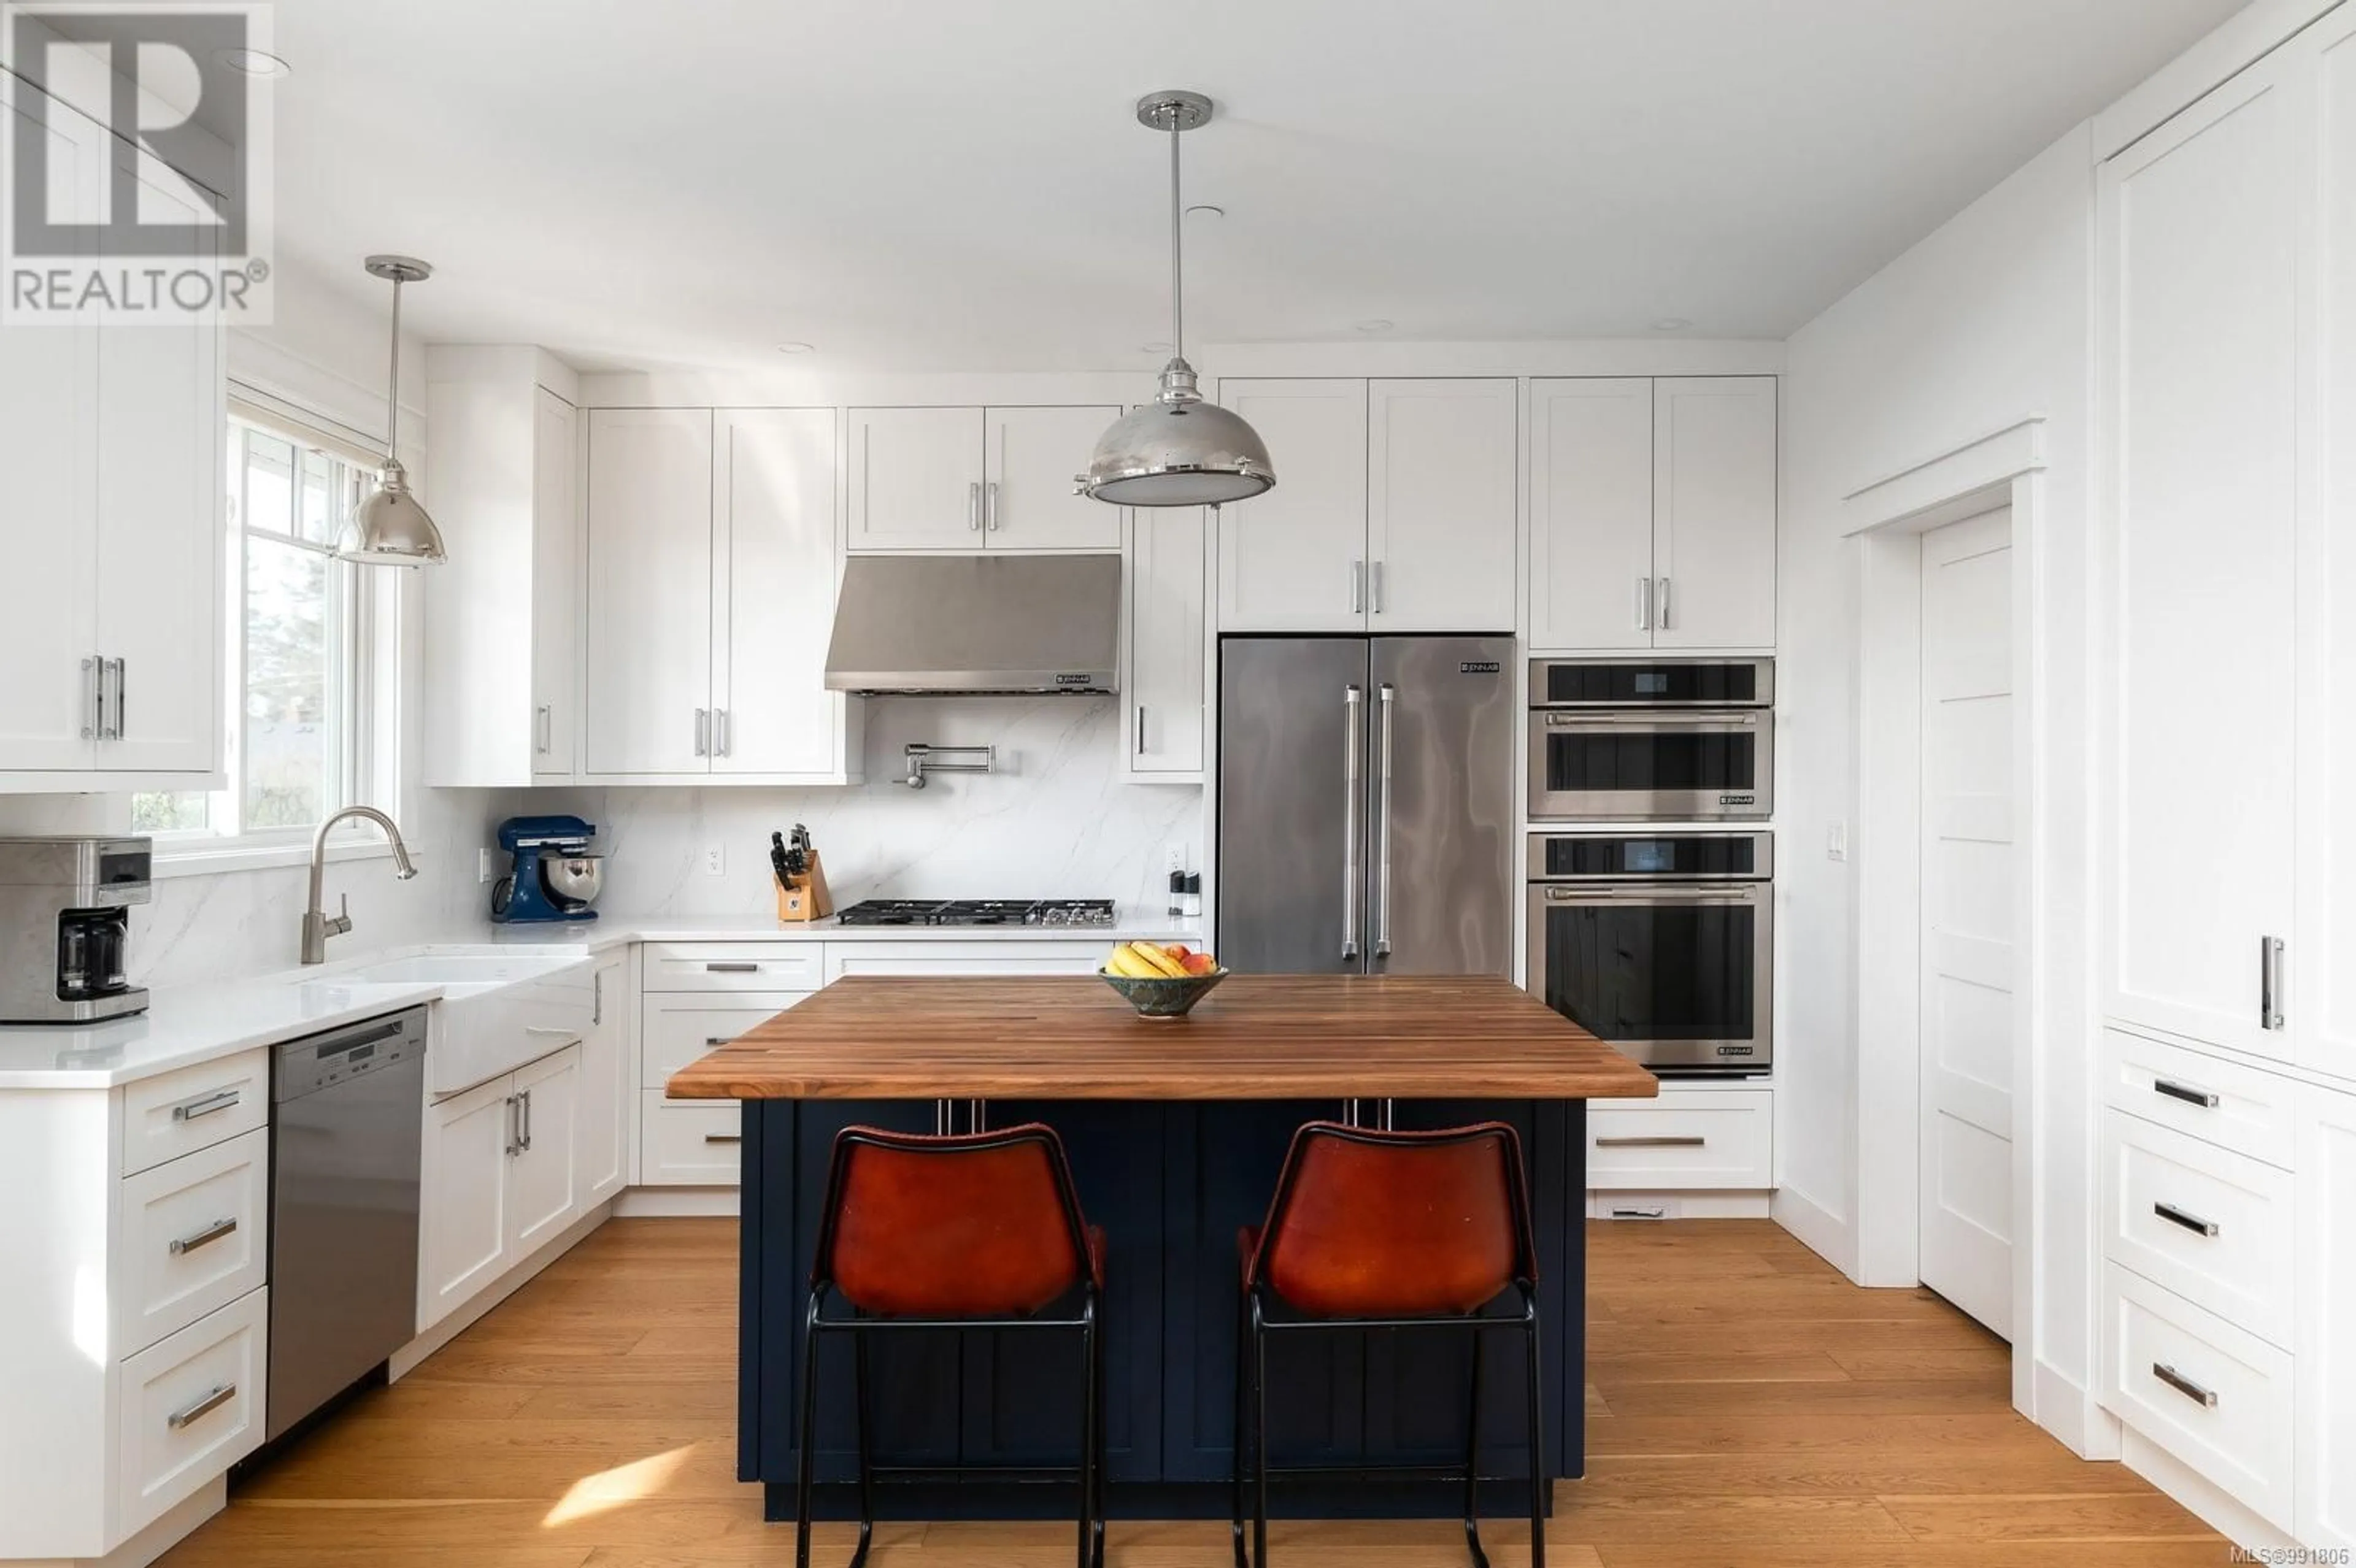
(317, 926)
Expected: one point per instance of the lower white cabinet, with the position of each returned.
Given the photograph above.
(689, 1143)
(1698, 1140)
(607, 1101)
(501, 1178)
(696, 1142)
(191, 1406)
(194, 1237)
(544, 1172)
(967, 957)
(2325, 1271)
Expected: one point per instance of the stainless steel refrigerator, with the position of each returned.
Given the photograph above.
(1366, 805)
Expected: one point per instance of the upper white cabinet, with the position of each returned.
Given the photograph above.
(1653, 509)
(712, 572)
(2202, 338)
(502, 645)
(1441, 461)
(110, 438)
(967, 479)
(1163, 648)
(1393, 510)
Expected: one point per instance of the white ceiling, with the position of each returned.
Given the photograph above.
(928, 185)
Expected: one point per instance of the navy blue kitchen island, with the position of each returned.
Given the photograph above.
(1176, 1132)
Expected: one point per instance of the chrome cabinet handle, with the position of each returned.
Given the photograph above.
(974, 506)
(1374, 574)
(703, 732)
(1643, 603)
(2206, 1397)
(990, 507)
(2192, 1223)
(722, 737)
(597, 999)
(2204, 1098)
(526, 1098)
(1665, 623)
(204, 1238)
(1656, 1141)
(122, 724)
(544, 726)
(724, 1137)
(220, 1395)
(1352, 699)
(207, 1104)
(1387, 692)
(1357, 587)
(732, 968)
(515, 1124)
(93, 699)
(2270, 957)
(1141, 728)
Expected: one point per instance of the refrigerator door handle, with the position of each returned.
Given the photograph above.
(1387, 692)
(1352, 702)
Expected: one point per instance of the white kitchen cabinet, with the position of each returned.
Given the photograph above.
(2325, 1420)
(464, 1226)
(1294, 559)
(2200, 235)
(1162, 646)
(1029, 500)
(608, 1093)
(544, 1175)
(1714, 512)
(1591, 513)
(502, 644)
(774, 578)
(1441, 516)
(649, 628)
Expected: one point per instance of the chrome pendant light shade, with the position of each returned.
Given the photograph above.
(390, 528)
(1177, 451)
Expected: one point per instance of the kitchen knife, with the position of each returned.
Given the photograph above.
(779, 860)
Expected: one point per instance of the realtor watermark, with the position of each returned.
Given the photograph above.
(137, 169)
(2285, 1556)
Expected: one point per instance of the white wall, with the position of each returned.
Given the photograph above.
(1982, 324)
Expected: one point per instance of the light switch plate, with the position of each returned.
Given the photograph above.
(487, 865)
(1837, 841)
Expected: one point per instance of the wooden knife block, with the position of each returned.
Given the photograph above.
(804, 897)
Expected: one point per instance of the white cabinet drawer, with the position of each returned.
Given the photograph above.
(2212, 1225)
(1009, 955)
(194, 1238)
(689, 1143)
(2217, 1398)
(733, 965)
(1691, 1141)
(676, 1029)
(190, 1407)
(2220, 1101)
(179, 1113)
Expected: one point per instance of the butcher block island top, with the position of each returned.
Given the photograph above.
(1258, 1037)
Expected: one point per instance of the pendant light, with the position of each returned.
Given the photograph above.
(390, 529)
(1177, 451)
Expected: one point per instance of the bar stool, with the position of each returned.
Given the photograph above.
(1374, 1229)
(974, 1231)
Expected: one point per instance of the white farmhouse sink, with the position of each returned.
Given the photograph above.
(471, 971)
(498, 1009)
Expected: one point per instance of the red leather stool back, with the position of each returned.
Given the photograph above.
(1392, 1224)
(978, 1226)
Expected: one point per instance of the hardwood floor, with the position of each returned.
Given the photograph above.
(1748, 1408)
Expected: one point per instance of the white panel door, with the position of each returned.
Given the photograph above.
(775, 481)
(1714, 512)
(48, 450)
(465, 1225)
(648, 632)
(1443, 467)
(1591, 514)
(1028, 499)
(555, 584)
(607, 1094)
(916, 479)
(544, 1177)
(1968, 921)
(1295, 559)
(1163, 692)
(2325, 1274)
(160, 529)
(2199, 227)
(2322, 970)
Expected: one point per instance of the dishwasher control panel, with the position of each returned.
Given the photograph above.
(320, 1061)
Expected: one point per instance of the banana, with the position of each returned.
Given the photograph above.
(1164, 964)
(1128, 961)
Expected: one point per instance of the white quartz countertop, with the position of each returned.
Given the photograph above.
(187, 1024)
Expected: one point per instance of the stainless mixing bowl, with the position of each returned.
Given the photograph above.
(575, 878)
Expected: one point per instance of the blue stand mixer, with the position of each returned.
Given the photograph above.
(554, 877)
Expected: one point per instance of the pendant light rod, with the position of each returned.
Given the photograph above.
(1177, 249)
(396, 271)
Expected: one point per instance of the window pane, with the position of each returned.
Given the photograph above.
(321, 494)
(289, 683)
(269, 482)
(187, 812)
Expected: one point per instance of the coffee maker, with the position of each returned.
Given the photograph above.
(64, 928)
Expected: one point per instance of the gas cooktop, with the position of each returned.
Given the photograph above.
(978, 912)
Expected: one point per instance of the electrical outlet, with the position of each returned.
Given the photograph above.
(1837, 841)
(715, 860)
(487, 865)
(1174, 858)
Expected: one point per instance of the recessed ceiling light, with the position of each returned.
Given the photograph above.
(1671, 324)
(1205, 209)
(793, 348)
(1153, 348)
(1378, 324)
(251, 62)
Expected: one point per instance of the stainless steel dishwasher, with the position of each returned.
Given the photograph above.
(348, 1112)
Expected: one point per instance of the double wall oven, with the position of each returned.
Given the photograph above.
(1652, 740)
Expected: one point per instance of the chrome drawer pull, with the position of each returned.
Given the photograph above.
(1693, 1140)
(1646, 1211)
(204, 1238)
(713, 1042)
(2192, 1223)
(732, 968)
(2184, 1092)
(206, 1104)
(202, 1408)
(2184, 1385)
(724, 1137)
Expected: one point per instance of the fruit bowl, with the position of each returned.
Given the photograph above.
(1163, 996)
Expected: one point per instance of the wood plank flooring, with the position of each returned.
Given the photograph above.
(1748, 1408)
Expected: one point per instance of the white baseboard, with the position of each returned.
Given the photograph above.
(406, 1359)
(675, 1202)
(2207, 1501)
(1603, 1204)
(167, 1531)
(2072, 1414)
(1832, 1239)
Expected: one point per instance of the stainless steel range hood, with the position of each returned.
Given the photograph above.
(988, 625)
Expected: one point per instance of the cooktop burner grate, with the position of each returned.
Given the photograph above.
(979, 912)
